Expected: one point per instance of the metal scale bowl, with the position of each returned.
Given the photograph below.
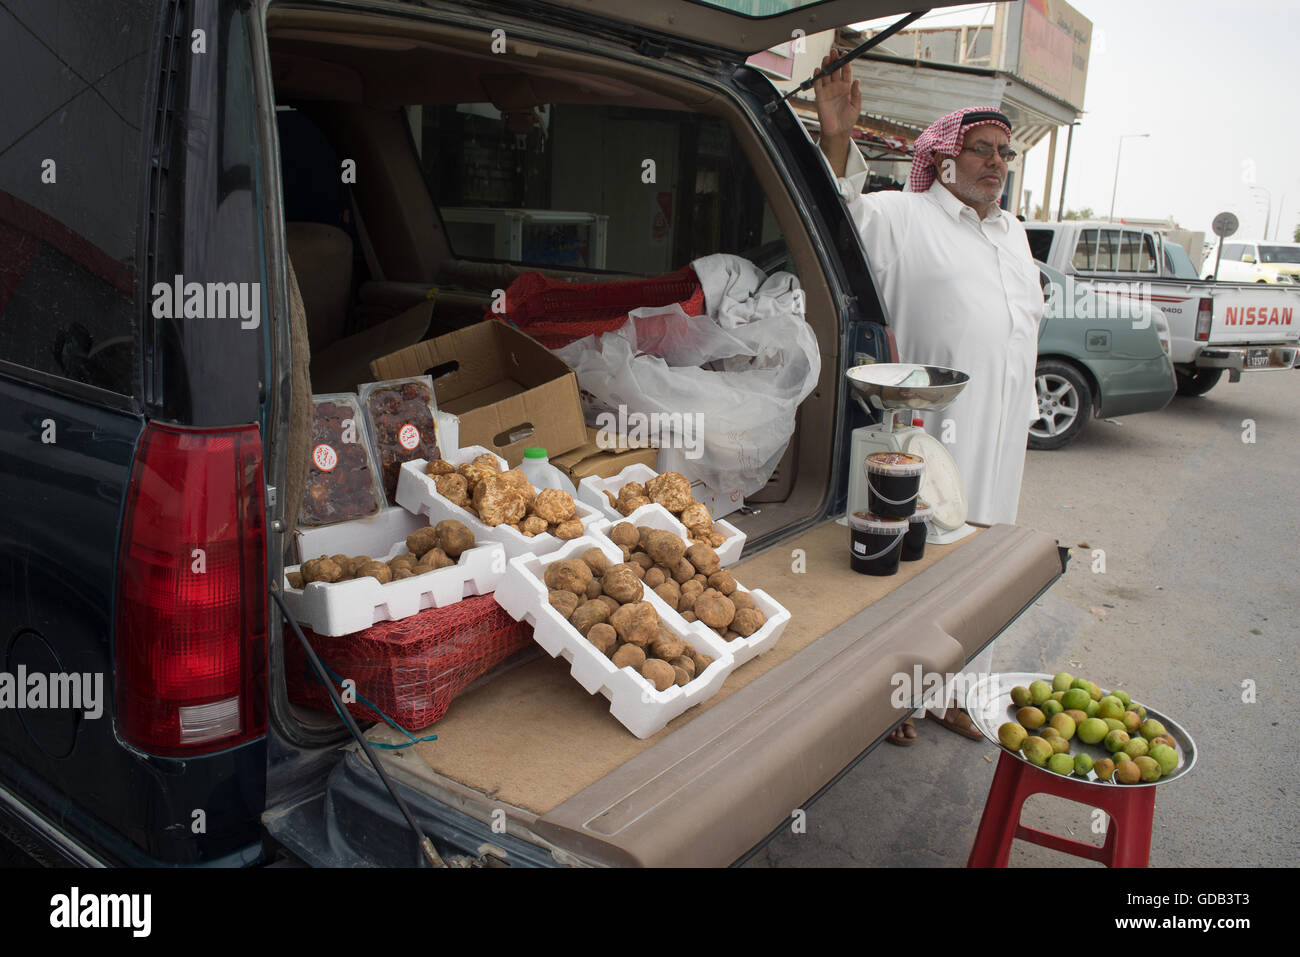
(888, 388)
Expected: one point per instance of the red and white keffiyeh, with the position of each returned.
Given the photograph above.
(945, 135)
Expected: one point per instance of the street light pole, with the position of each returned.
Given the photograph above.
(1268, 208)
(1115, 188)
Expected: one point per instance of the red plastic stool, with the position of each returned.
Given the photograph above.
(1129, 810)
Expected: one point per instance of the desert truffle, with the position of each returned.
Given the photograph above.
(439, 467)
(629, 656)
(568, 575)
(604, 638)
(454, 537)
(376, 570)
(565, 602)
(589, 614)
(555, 505)
(704, 558)
(533, 525)
(672, 490)
(421, 540)
(596, 560)
(453, 488)
(714, 609)
(621, 583)
(321, 570)
(659, 673)
(625, 534)
(498, 502)
(567, 531)
(637, 622)
(747, 621)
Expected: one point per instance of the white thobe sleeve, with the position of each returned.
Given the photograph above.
(881, 233)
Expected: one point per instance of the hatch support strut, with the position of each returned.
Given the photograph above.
(848, 58)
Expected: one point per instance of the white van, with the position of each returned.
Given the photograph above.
(1255, 261)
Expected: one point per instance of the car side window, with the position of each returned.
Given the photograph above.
(1233, 251)
(1085, 248)
(71, 176)
(1040, 243)
(1107, 259)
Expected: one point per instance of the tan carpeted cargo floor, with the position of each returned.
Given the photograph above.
(533, 737)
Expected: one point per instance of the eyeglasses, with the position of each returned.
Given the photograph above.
(984, 151)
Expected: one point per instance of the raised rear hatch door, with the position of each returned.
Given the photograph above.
(743, 27)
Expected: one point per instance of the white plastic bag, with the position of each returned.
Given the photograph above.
(744, 405)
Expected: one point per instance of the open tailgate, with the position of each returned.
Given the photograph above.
(723, 776)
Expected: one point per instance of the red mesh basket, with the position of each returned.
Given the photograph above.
(409, 669)
(556, 313)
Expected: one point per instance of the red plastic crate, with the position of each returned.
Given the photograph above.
(556, 313)
(409, 669)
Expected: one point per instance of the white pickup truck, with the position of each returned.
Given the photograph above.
(1213, 326)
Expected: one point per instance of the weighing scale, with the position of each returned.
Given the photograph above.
(888, 388)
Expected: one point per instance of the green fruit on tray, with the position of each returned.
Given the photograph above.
(1116, 741)
(1110, 707)
(1164, 756)
(1092, 731)
(1081, 683)
(1123, 697)
(1064, 724)
(1119, 757)
(1115, 724)
(1020, 696)
(1148, 767)
(1075, 699)
(1039, 691)
(1031, 718)
(1061, 764)
(1062, 681)
(1051, 707)
(1092, 709)
(1094, 690)
(1060, 744)
(1082, 764)
(1131, 721)
(1057, 695)
(1037, 750)
(1127, 772)
(1136, 748)
(1151, 727)
(1104, 767)
(1012, 736)
(1077, 715)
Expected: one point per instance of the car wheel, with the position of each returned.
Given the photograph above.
(1197, 382)
(1064, 404)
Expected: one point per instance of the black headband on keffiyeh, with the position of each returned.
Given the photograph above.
(945, 135)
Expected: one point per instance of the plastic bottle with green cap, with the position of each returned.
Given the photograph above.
(539, 470)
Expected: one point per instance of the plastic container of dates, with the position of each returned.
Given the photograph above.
(592, 489)
(400, 417)
(742, 649)
(341, 608)
(634, 701)
(417, 492)
(342, 480)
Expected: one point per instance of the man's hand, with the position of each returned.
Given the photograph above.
(839, 101)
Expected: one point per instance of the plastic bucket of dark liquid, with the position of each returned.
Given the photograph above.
(875, 543)
(893, 483)
(918, 526)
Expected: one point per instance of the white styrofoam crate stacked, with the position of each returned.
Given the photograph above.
(417, 493)
(592, 489)
(634, 702)
(743, 649)
(341, 608)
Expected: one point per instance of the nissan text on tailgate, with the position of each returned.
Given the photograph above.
(170, 307)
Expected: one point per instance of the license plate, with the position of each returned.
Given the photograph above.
(1257, 359)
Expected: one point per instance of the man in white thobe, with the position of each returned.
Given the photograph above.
(959, 289)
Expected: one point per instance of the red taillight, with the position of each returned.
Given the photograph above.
(191, 607)
(1204, 315)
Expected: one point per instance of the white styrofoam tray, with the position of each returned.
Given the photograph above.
(361, 536)
(743, 649)
(341, 608)
(417, 493)
(634, 702)
(592, 489)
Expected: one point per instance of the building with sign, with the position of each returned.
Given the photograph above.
(1028, 58)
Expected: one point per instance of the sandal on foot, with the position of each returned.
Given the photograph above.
(954, 719)
(904, 735)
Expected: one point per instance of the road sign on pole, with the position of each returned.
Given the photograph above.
(1224, 225)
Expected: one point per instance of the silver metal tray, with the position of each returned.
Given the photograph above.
(989, 706)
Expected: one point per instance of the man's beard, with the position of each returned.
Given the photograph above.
(975, 194)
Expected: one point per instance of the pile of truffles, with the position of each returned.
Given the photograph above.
(506, 498)
(672, 490)
(604, 603)
(690, 579)
(427, 550)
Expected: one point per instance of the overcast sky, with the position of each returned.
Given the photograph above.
(1214, 84)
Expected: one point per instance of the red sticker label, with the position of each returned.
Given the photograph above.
(324, 457)
(408, 436)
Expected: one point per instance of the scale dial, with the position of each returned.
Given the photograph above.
(941, 483)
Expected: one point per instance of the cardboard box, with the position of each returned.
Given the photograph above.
(591, 459)
(508, 391)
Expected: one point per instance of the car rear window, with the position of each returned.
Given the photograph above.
(76, 75)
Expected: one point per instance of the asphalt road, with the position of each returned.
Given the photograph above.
(1199, 602)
